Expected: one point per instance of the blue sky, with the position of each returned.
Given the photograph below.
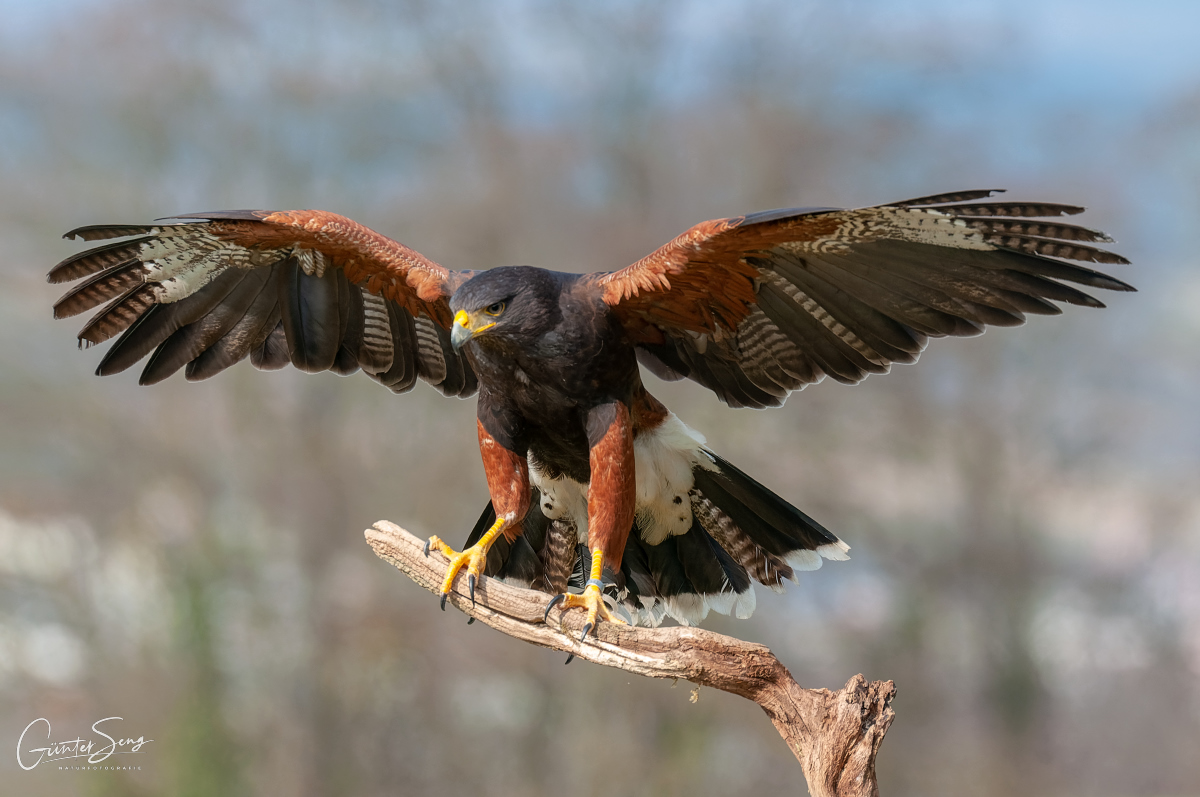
(1138, 49)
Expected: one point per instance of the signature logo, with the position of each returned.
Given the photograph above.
(94, 750)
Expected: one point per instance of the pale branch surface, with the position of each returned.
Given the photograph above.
(834, 735)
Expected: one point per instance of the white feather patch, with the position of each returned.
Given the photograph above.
(651, 613)
(721, 603)
(743, 607)
(562, 498)
(692, 609)
(811, 560)
(663, 459)
(687, 609)
(803, 560)
(835, 551)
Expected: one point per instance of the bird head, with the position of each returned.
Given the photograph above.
(509, 304)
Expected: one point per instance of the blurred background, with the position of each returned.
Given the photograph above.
(1023, 507)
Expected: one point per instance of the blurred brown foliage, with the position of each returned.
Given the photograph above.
(1022, 507)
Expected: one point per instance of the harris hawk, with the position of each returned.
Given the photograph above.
(593, 482)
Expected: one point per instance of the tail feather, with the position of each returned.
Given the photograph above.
(708, 566)
(561, 559)
(770, 521)
(764, 567)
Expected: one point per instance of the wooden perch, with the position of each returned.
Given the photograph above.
(834, 735)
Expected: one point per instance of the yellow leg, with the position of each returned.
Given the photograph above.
(475, 558)
(591, 599)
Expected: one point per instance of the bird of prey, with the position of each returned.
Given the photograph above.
(592, 480)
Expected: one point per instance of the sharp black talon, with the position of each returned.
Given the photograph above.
(471, 587)
(426, 548)
(586, 628)
(557, 599)
(570, 658)
(444, 596)
(470, 620)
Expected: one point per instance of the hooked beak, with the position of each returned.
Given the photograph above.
(461, 332)
(465, 328)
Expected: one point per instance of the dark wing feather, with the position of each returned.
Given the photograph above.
(248, 333)
(346, 361)
(186, 344)
(311, 312)
(160, 321)
(272, 353)
(757, 306)
(307, 288)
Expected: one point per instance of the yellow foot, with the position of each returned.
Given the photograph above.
(475, 559)
(590, 599)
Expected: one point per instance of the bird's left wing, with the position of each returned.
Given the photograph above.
(305, 287)
(757, 306)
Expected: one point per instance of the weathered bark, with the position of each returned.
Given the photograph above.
(834, 735)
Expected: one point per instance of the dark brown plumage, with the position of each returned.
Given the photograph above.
(584, 466)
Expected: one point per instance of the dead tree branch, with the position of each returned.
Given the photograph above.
(834, 735)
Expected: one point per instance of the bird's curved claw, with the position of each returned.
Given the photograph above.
(425, 550)
(474, 559)
(557, 599)
(592, 600)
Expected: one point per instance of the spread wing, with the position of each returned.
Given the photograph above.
(757, 306)
(305, 287)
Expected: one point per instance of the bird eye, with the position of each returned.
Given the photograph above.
(494, 309)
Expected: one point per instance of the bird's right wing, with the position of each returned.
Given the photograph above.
(305, 287)
(757, 306)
